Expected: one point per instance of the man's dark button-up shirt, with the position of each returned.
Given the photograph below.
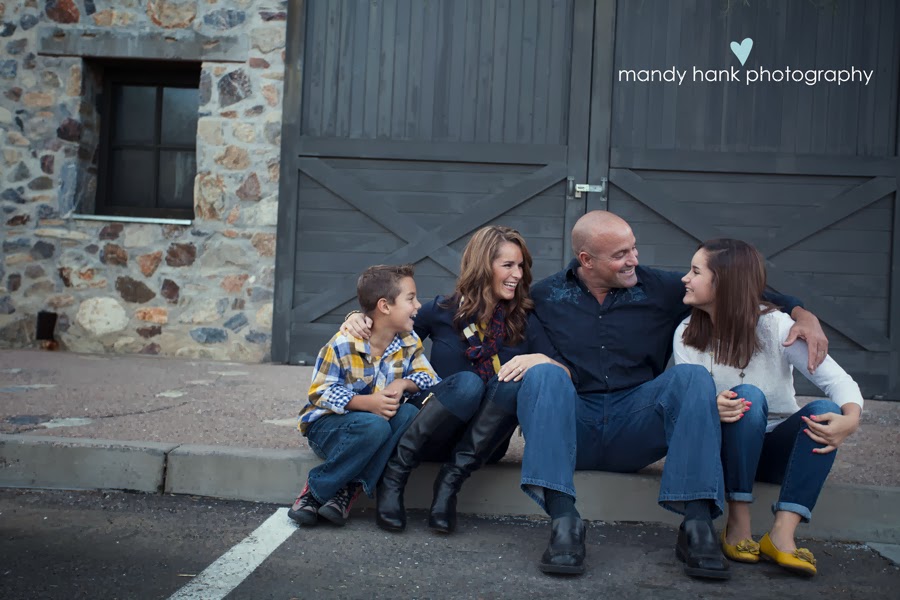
(625, 341)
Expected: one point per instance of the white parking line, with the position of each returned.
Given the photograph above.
(219, 578)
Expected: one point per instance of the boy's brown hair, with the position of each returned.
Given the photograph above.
(380, 281)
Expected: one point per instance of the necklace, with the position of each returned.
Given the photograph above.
(712, 361)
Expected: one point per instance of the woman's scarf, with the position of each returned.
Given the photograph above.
(483, 349)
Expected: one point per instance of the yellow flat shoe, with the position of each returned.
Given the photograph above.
(799, 561)
(745, 551)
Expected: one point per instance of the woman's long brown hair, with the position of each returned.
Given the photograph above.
(739, 279)
(473, 297)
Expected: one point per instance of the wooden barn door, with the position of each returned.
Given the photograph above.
(409, 125)
(808, 173)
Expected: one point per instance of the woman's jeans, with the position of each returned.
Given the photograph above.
(673, 415)
(783, 456)
(357, 445)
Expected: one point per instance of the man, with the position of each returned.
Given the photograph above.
(613, 321)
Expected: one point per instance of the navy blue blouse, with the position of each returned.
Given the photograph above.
(448, 350)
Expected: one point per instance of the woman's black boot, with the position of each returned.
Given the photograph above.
(432, 420)
(490, 427)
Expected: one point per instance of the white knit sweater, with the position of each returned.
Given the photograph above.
(771, 368)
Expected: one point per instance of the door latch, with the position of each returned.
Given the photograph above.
(596, 189)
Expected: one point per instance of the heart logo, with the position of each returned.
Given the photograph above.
(742, 50)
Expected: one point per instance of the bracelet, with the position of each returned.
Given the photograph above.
(352, 312)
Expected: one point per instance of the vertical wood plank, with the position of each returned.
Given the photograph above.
(331, 51)
(542, 74)
(470, 85)
(513, 100)
(526, 86)
(346, 44)
(397, 130)
(373, 71)
(456, 42)
(386, 67)
(429, 72)
(821, 94)
(560, 65)
(865, 123)
(414, 76)
(837, 104)
(894, 372)
(360, 28)
(442, 73)
(485, 70)
(602, 85)
(498, 75)
(672, 40)
(318, 15)
(787, 124)
(288, 205)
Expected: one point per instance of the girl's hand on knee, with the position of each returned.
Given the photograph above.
(830, 429)
(731, 408)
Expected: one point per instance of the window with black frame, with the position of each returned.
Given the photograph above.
(148, 157)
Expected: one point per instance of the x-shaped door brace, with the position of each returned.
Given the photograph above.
(421, 243)
(799, 227)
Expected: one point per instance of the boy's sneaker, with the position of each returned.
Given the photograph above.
(337, 510)
(306, 507)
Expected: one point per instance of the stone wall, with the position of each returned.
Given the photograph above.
(202, 290)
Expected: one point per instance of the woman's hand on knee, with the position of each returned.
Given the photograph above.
(731, 408)
(830, 429)
(515, 369)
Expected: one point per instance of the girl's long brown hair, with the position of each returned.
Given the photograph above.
(739, 279)
(473, 297)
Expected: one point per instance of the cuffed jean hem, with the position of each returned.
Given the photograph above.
(739, 497)
(675, 503)
(805, 514)
(533, 489)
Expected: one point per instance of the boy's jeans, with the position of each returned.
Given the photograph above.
(355, 447)
(783, 456)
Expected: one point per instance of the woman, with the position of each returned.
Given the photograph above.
(765, 434)
(484, 327)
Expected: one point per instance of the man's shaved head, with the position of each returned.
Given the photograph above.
(593, 227)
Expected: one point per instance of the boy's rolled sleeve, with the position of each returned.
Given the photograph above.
(420, 370)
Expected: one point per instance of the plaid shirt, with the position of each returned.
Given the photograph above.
(346, 367)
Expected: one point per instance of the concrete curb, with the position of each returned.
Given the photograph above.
(844, 512)
(79, 464)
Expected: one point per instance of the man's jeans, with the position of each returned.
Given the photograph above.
(673, 415)
(783, 456)
(355, 447)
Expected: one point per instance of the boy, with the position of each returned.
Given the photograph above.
(354, 416)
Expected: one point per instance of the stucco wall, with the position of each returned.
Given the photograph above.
(199, 290)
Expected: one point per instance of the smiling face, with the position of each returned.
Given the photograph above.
(699, 284)
(611, 258)
(402, 311)
(507, 271)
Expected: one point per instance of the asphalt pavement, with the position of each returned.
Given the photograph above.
(58, 544)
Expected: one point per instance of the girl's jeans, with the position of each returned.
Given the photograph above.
(784, 456)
